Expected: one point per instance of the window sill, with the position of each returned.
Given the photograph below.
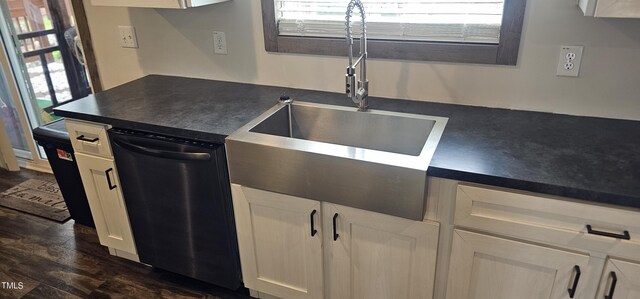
(430, 51)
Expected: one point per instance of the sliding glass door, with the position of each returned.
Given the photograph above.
(12, 137)
(17, 113)
(10, 115)
(41, 46)
(47, 35)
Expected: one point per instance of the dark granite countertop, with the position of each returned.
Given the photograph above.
(593, 159)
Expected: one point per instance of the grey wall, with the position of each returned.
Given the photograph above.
(180, 42)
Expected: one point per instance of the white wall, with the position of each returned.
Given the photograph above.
(179, 42)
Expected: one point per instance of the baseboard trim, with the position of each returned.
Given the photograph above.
(29, 164)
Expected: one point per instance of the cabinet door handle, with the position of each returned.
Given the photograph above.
(111, 187)
(624, 236)
(335, 230)
(313, 225)
(612, 288)
(576, 278)
(82, 138)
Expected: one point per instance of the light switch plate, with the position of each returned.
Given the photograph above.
(569, 61)
(128, 38)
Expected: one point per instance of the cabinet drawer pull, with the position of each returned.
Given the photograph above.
(612, 288)
(624, 236)
(335, 230)
(576, 278)
(313, 225)
(82, 138)
(111, 187)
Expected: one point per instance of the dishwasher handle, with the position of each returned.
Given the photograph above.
(163, 153)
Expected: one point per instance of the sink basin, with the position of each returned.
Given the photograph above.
(376, 131)
(374, 160)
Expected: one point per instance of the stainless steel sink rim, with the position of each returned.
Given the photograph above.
(420, 162)
(368, 179)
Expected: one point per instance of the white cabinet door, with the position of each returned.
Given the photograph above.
(377, 256)
(280, 243)
(486, 267)
(102, 186)
(621, 280)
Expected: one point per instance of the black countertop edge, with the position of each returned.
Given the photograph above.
(587, 196)
(138, 126)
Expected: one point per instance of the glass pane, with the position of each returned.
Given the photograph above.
(43, 46)
(59, 77)
(38, 82)
(470, 21)
(10, 116)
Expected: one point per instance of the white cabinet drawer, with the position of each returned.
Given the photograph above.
(549, 220)
(89, 138)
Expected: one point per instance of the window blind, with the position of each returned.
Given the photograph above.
(471, 21)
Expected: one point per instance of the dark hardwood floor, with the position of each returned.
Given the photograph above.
(53, 260)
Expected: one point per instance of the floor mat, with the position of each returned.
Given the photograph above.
(36, 197)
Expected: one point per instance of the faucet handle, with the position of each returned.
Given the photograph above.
(361, 94)
(350, 85)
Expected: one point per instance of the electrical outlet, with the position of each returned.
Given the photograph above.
(219, 43)
(128, 38)
(571, 56)
(569, 61)
(568, 66)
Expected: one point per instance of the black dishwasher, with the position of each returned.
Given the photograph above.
(179, 204)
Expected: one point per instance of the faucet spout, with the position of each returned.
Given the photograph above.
(357, 90)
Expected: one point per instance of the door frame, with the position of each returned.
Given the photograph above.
(8, 159)
(13, 67)
(82, 25)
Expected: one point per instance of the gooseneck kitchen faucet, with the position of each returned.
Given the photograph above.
(357, 92)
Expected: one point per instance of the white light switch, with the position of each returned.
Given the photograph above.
(128, 38)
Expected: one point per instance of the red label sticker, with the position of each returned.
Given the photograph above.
(64, 155)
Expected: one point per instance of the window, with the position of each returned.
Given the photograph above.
(473, 31)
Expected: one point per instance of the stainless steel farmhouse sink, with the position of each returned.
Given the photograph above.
(374, 160)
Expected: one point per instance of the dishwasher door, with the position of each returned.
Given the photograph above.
(179, 205)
